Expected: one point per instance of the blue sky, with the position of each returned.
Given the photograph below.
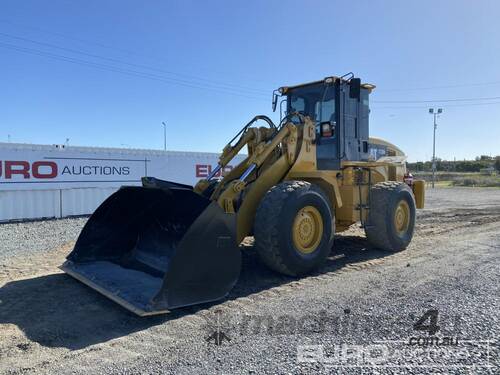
(107, 73)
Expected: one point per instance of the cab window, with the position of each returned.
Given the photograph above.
(297, 104)
(325, 111)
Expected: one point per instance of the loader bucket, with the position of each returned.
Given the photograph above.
(155, 249)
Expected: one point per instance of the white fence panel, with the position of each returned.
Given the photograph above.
(29, 204)
(83, 201)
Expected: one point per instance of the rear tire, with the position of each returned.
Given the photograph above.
(294, 228)
(392, 216)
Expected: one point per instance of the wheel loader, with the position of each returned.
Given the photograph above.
(165, 245)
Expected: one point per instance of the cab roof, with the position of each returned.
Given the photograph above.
(330, 79)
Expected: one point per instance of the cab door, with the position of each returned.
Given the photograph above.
(328, 129)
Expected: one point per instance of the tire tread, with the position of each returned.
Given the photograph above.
(377, 231)
(266, 228)
(268, 218)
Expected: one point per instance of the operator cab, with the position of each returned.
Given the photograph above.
(339, 107)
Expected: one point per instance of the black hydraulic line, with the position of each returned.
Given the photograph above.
(256, 118)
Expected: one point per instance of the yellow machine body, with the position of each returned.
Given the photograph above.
(347, 188)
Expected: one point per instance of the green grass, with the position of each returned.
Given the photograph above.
(461, 179)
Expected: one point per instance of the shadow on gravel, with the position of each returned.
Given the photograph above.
(256, 277)
(57, 311)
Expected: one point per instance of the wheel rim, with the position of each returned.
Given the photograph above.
(307, 229)
(402, 218)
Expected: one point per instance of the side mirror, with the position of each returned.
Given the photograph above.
(355, 89)
(275, 100)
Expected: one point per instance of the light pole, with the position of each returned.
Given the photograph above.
(435, 113)
(164, 136)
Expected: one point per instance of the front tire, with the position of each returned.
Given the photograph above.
(392, 216)
(294, 228)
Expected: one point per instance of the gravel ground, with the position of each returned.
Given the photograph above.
(29, 238)
(355, 315)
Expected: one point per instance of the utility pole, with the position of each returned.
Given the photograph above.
(436, 114)
(164, 135)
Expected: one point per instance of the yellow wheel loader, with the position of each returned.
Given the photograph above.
(166, 245)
